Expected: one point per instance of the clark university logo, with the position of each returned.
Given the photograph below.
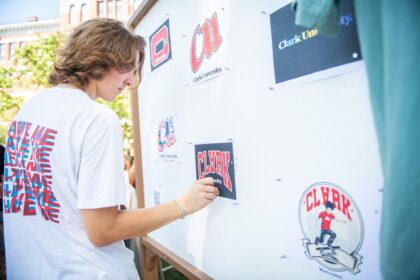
(332, 226)
(160, 46)
(216, 160)
(209, 34)
(166, 134)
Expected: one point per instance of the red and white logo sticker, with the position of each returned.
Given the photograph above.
(332, 227)
(211, 40)
(160, 46)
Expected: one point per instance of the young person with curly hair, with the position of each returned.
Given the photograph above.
(64, 177)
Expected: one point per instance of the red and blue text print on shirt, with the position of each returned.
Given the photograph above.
(27, 175)
(326, 220)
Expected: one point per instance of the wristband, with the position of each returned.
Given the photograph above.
(181, 208)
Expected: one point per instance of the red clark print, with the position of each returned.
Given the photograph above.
(327, 193)
(332, 226)
(216, 160)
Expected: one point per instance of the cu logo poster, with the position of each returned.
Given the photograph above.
(216, 161)
(206, 45)
(298, 51)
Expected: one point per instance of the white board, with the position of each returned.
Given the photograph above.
(291, 141)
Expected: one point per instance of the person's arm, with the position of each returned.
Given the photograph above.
(105, 226)
(132, 176)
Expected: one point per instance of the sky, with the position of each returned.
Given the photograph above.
(16, 11)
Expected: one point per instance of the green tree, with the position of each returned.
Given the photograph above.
(37, 60)
(9, 105)
(31, 67)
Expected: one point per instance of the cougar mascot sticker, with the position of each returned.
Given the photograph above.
(332, 226)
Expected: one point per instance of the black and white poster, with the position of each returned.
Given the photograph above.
(298, 51)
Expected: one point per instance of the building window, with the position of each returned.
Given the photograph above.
(101, 9)
(110, 8)
(136, 4)
(84, 12)
(2, 53)
(72, 15)
(12, 50)
(118, 8)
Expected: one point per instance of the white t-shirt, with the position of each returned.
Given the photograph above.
(63, 153)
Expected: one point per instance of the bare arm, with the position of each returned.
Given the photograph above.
(132, 176)
(105, 226)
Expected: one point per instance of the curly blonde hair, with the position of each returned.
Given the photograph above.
(94, 48)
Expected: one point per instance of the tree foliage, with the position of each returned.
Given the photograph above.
(9, 105)
(31, 67)
(37, 61)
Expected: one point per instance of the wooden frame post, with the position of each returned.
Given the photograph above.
(148, 259)
(150, 249)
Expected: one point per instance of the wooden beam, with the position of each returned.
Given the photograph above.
(140, 12)
(190, 271)
(149, 263)
(148, 260)
(150, 249)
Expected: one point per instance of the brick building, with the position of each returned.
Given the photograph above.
(72, 12)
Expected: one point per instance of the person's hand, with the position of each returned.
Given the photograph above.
(199, 195)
